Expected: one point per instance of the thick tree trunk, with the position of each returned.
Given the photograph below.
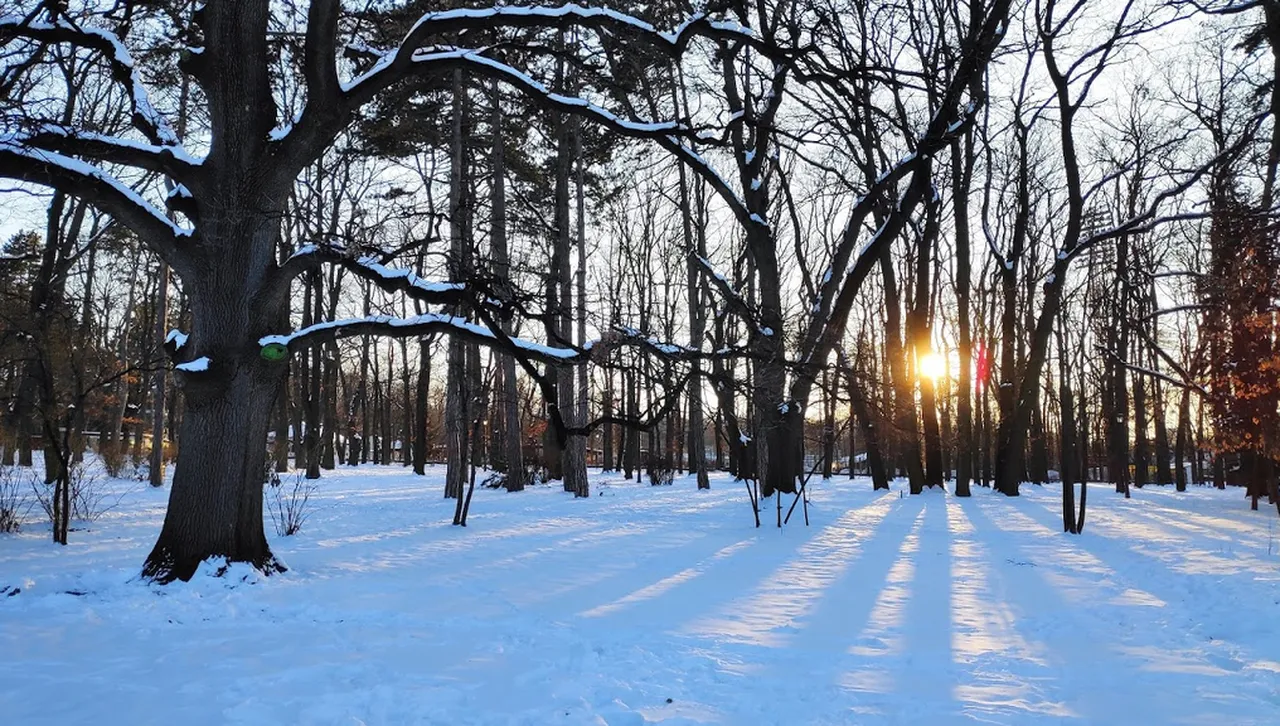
(312, 437)
(508, 395)
(1164, 475)
(1141, 444)
(606, 430)
(329, 423)
(631, 436)
(215, 506)
(919, 330)
(695, 240)
(828, 423)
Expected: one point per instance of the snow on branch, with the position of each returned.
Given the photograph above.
(491, 68)
(721, 283)
(489, 335)
(96, 186)
(15, 145)
(703, 168)
(369, 267)
(572, 15)
(146, 118)
(171, 161)
(393, 66)
(389, 326)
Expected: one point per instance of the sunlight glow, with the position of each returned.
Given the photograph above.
(933, 366)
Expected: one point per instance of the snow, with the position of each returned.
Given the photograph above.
(371, 263)
(462, 324)
(519, 78)
(177, 338)
(673, 38)
(660, 605)
(192, 366)
(16, 144)
(120, 55)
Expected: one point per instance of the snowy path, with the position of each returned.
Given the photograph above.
(547, 610)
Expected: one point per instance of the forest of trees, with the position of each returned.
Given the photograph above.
(965, 243)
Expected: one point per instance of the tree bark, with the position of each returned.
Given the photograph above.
(458, 398)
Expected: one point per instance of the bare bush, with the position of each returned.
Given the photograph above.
(287, 502)
(90, 499)
(512, 481)
(114, 460)
(660, 471)
(15, 505)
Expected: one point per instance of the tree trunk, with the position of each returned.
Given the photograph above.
(422, 394)
(215, 505)
(159, 382)
(457, 397)
(906, 432)
(1141, 444)
(867, 422)
(575, 465)
(311, 439)
(508, 395)
(1181, 445)
(1163, 474)
(828, 423)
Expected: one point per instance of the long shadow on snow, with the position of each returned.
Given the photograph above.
(1231, 580)
(1064, 592)
(771, 609)
(719, 573)
(901, 659)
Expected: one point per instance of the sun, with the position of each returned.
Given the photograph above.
(932, 366)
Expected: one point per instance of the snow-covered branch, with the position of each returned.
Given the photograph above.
(146, 118)
(491, 336)
(735, 299)
(394, 66)
(170, 161)
(96, 186)
(482, 65)
(369, 267)
(425, 324)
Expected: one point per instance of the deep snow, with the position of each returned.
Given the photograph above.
(663, 605)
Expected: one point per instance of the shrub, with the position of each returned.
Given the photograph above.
(14, 503)
(287, 503)
(511, 481)
(114, 461)
(89, 498)
(660, 471)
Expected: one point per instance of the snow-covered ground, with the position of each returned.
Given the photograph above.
(663, 605)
